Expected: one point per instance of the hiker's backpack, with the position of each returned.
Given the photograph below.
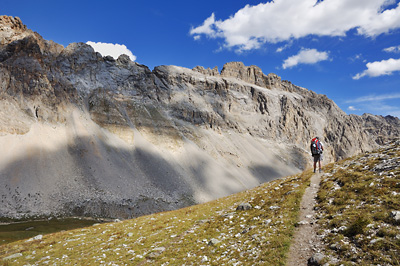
(315, 147)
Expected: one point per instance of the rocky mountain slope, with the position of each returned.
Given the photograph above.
(89, 135)
(356, 218)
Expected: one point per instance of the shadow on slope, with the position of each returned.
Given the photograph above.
(91, 178)
(93, 173)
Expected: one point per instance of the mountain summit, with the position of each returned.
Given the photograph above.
(89, 135)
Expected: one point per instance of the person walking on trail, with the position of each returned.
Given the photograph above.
(316, 151)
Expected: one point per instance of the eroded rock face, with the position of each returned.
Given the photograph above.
(11, 28)
(97, 136)
(208, 71)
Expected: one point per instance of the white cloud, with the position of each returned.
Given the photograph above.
(380, 68)
(280, 49)
(385, 104)
(392, 49)
(206, 28)
(283, 20)
(356, 57)
(114, 50)
(375, 98)
(284, 47)
(305, 56)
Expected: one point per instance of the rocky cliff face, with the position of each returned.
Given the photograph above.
(89, 135)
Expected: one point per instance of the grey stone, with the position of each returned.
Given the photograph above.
(213, 242)
(229, 215)
(395, 215)
(38, 237)
(244, 207)
(13, 256)
(156, 252)
(316, 259)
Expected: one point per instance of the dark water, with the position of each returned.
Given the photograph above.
(23, 230)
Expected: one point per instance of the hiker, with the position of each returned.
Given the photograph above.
(316, 151)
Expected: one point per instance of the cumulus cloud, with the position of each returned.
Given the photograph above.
(380, 68)
(283, 20)
(114, 50)
(305, 56)
(392, 49)
(206, 28)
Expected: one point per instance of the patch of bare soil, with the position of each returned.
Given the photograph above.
(306, 242)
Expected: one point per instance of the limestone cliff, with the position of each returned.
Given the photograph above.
(89, 135)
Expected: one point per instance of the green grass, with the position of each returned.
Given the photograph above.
(259, 236)
(355, 203)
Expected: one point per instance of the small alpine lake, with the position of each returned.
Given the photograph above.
(10, 232)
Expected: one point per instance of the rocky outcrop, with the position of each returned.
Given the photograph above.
(99, 136)
(12, 28)
(208, 71)
(251, 74)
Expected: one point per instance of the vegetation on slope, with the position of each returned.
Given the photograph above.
(215, 233)
(359, 205)
(358, 213)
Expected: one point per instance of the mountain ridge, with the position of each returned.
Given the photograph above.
(90, 135)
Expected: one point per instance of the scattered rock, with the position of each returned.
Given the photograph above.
(373, 241)
(244, 207)
(13, 256)
(204, 259)
(156, 253)
(213, 242)
(334, 247)
(274, 207)
(396, 216)
(302, 223)
(38, 237)
(316, 259)
(229, 215)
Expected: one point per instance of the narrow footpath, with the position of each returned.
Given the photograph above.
(305, 241)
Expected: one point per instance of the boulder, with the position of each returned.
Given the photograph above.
(316, 259)
(213, 242)
(244, 207)
(395, 216)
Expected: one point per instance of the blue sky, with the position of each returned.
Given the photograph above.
(346, 49)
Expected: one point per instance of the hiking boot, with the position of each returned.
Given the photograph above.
(320, 170)
(314, 170)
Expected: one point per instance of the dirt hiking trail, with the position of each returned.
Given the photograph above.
(305, 241)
